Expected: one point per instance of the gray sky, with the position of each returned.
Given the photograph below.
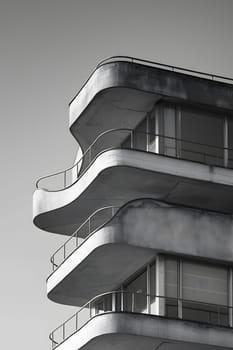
(48, 49)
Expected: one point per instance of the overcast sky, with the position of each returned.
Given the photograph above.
(48, 49)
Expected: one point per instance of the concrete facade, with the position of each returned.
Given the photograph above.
(148, 207)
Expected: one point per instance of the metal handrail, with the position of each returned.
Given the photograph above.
(113, 209)
(131, 133)
(123, 307)
(163, 66)
(141, 61)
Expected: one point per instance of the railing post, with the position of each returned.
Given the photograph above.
(230, 300)
(63, 331)
(77, 171)
(52, 338)
(131, 139)
(133, 301)
(64, 251)
(114, 302)
(122, 301)
(65, 179)
(90, 155)
(76, 321)
(52, 262)
(225, 140)
(180, 308)
(76, 235)
(89, 226)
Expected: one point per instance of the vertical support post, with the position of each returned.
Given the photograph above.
(131, 139)
(148, 288)
(122, 299)
(147, 132)
(157, 140)
(178, 131)
(133, 302)
(180, 296)
(64, 179)
(160, 285)
(64, 251)
(76, 321)
(90, 155)
(89, 226)
(63, 331)
(52, 338)
(113, 302)
(226, 142)
(90, 310)
(230, 301)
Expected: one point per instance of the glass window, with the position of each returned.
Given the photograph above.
(171, 287)
(171, 277)
(203, 134)
(230, 141)
(205, 293)
(205, 283)
(136, 294)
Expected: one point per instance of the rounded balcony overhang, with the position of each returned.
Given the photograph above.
(123, 331)
(115, 177)
(137, 233)
(121, 91)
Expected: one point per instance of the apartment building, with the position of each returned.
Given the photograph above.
(145, 210)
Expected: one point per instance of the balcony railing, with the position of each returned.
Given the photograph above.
(121, 301)
(176, 69)
(141, 141)
(95, 221)
(159, 65)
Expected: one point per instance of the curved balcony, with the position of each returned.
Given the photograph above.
(116, 163)
(140, 141)
(123, 89)
(97, 220)
(136, 233)
(162, 314)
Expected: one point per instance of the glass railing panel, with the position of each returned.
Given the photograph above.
(207, 313)
(140, 303)
(84, 315)
(58, 258)
(70, 326)
(171, 307)
(139, 141)
(71, 245)
(58, 335)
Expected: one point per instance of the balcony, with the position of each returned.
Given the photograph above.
(121, 317)
(173, 170)
(122, 90)
(88, 262)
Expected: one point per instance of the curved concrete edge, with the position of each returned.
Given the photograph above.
(158, 328)
(152, 80)
(45, 201)
(140, 230)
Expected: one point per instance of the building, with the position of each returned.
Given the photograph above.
(147, 208)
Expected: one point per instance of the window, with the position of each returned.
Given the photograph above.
(197, 291)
